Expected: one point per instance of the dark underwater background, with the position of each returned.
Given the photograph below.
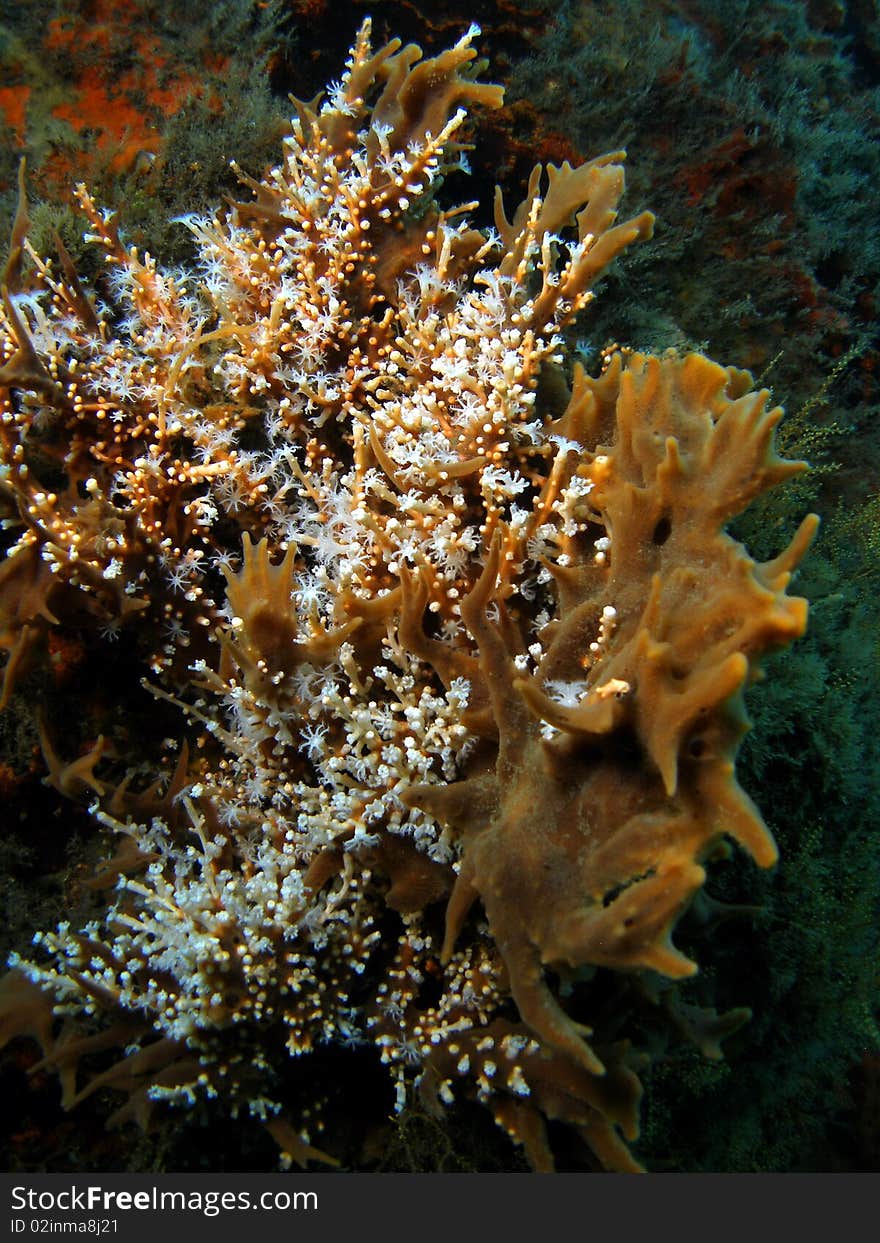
(751, 128)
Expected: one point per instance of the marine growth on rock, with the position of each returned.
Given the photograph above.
(454, 632)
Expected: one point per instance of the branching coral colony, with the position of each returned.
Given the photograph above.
(456, 630)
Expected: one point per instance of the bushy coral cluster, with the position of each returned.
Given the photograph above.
(454, 628)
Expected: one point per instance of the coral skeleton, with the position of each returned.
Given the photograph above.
(455, 633)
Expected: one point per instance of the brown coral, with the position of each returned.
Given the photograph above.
(484, 635)
(586, 845)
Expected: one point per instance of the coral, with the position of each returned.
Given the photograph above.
(456, 631)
